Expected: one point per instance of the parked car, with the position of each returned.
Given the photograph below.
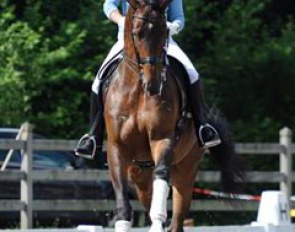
(41, 159)
(52, 160)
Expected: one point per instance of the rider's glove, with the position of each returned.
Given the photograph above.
(174, 28)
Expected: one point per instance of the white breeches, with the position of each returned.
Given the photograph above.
(173, 50)
(176, 52)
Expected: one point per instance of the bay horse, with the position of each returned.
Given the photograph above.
(145, 123)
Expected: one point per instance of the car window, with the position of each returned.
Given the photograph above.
(54, 158)
(7, 135)
(16, 155)
(41, 159)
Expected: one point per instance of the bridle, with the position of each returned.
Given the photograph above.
(158, 62)
(150, 60)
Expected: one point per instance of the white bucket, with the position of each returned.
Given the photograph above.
(273, 209)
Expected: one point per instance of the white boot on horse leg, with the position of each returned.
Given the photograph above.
(158, 212)
(122, 226)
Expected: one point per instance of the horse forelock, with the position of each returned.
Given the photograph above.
(154, 4)
(158, 5)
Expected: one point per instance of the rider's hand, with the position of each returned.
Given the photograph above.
(174, 28)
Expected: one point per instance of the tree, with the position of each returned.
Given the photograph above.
(246, 64)
(42, 49)
(48, 52)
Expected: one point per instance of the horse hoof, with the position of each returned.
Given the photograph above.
(157, 226)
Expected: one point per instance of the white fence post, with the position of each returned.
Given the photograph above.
(26, 191)
(286, 162)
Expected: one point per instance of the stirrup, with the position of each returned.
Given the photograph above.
(84, 138)
(214, 142)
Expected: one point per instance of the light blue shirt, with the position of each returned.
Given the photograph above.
(174, 11)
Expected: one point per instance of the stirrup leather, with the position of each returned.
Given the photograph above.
(83, 139)
(211, 143)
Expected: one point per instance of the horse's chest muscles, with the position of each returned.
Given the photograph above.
(134, 112)
(135, 120)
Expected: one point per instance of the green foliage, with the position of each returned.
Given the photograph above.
(17, 46)
(48, 59)
(244, 51)
(249, 73)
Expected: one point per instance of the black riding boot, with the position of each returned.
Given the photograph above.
(91, 144)
(207, 135)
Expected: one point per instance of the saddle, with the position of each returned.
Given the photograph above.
(108, 68)
(178, 72)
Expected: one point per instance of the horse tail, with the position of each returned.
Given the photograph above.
(231, 164)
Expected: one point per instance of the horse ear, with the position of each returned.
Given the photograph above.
(133, 3)
(164, 3)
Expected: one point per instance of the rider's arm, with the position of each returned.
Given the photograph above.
(175, 15)
(110, 8)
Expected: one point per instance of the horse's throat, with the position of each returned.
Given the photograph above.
(152, 84)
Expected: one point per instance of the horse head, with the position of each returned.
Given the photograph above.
(146, 36)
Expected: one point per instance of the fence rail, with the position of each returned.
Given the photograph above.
(92, 175)
(26, 205)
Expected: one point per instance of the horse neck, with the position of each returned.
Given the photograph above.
(129, 49)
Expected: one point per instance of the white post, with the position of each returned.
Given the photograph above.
(26, 187)
(286, 162)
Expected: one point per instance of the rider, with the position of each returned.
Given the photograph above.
(91, 143)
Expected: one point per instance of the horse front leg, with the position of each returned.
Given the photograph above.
(183, 178)
(118, 171)
(162, 154)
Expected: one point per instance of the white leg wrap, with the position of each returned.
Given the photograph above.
(157, 226)
(158, 210)
(122, 226)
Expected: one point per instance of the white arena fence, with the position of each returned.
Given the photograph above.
(26, 205)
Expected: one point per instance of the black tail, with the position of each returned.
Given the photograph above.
(231, 164)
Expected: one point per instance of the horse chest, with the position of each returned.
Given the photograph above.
(144, 122)
(136, 116)
(130, 126)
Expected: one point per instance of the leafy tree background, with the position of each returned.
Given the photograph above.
(51, 50)
(244, 50)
